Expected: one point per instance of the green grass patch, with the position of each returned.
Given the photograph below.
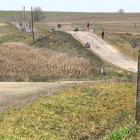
(16, 37)
(6, 28)
(86, 112)
(118, 134)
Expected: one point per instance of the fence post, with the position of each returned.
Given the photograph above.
(138, 92)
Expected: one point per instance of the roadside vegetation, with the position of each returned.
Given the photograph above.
(123, 42)
(6, 28)
(121, 35)
(102, 110)
(88, 65)
(22, 62)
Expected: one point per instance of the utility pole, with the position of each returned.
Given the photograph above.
(32, 23)
(138, 92)
(24, 17)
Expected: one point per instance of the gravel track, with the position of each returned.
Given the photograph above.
(15, 94)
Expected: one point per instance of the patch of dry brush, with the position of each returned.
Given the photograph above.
(22, 62)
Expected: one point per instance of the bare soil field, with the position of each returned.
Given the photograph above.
(72, 17)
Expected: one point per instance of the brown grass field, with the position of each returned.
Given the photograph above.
(21, 62)
(72, 17)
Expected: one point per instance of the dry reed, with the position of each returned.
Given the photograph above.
(21, 61)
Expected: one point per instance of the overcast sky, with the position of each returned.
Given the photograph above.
(73, 5)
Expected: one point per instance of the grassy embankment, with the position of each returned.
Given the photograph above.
(123, 43)
(94, 111)
(60, 42)
(118, 34)
(121, 36)
(39, 64)
(6, 28)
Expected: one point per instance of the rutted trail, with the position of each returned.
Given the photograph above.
(105, 50)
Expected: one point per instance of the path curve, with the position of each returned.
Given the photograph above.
(15, 94)
(105, 50)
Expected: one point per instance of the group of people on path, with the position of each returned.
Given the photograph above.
(87, 45)
(21, 24)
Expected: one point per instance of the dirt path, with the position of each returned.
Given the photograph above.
(105, 50)
(15, 94)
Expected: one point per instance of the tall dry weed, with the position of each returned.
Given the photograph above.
(21, 61)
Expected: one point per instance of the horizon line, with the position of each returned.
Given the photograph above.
(68, 11)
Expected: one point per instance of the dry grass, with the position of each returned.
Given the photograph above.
(81, 17)
(121, 35)
(123, 43)
(118, 26)
(22, 62)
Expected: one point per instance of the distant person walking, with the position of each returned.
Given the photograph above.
(88, 25)
(20, 24)
(102, 33)
(76, 29)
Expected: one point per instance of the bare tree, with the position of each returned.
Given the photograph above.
(121, 11)
(38, 14)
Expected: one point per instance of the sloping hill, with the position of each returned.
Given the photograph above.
(105, 50)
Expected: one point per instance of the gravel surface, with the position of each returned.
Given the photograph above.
(15, 94)
(105, 50)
